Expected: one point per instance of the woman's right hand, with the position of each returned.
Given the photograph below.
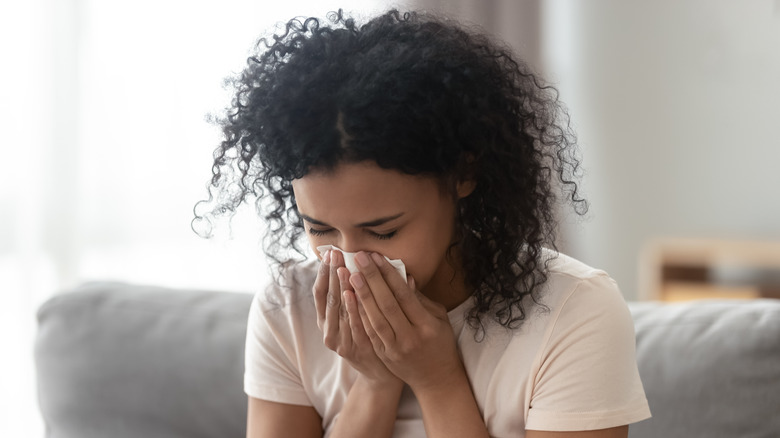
(340, 323)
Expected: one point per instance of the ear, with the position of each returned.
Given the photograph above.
(466, 183)
(465, 187)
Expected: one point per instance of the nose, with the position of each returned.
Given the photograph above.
(348, 247)
(352, 244)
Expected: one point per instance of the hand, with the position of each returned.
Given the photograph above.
(339, 320)
(411, 334)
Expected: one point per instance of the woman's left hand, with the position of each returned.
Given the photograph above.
(411, 334)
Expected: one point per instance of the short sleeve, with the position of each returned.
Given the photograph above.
(587, 376)
(270, 357)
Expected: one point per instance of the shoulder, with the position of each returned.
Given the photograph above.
(564, 266)
(585, 305)
(290, 288)
(286, 302)
(582, 301)
(570, 279)
(283, 313)
(587, 360)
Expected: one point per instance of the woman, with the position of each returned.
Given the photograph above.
(410, 138)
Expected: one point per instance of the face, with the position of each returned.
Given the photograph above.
(362, 207)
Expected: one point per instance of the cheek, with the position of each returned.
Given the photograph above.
(313, 244)
(315, 241)
(425, 253)
(421, 268)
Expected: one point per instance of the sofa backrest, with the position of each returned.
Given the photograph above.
(121, 361)
(124, 361)
(709, 368)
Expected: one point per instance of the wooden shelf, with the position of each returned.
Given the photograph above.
(684, 269)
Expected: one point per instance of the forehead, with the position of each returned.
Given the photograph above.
(362, 191)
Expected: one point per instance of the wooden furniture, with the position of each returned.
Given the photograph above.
(681, 269)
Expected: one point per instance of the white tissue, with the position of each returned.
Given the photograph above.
(349, 260)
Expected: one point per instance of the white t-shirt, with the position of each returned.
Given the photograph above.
(571, 366)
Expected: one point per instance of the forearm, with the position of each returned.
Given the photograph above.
(370, 410)
(451, 411)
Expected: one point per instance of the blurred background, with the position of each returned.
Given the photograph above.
(106, 145)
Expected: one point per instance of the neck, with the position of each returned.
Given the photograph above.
(448, 285)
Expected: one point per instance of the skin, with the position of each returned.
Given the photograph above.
(335, 204)
(390, 330)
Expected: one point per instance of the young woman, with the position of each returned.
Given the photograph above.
(410, 138)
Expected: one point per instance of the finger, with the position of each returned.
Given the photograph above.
(358, 331)
(343, 274)
(373, 318)
(320, 289)
(404, 292)
(384, 282)
(345, 346)
(376, 341)
(333, 302)
(384, 314)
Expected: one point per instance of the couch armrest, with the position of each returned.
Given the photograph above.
(118, 360)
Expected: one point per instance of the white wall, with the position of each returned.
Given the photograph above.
(677, 105)
(105, 150)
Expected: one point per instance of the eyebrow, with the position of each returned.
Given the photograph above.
(371, 223)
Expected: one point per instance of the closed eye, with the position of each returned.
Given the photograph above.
(380, 236)
(384, 236)
(315, 232)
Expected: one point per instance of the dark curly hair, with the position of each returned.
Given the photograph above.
(418, 94)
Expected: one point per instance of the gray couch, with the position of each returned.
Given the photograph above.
(120, 361)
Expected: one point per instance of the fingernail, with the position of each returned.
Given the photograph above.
(378, 259)
(326, 257)
(362, 259)
(343, 274)
(356, 280)
(411, 283)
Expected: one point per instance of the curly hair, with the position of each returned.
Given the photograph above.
(418, 94)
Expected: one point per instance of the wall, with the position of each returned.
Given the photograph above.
(677, 105)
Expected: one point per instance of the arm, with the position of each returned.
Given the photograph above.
(451, 411)
(413, 337)
(371, 405)
(361, 416)
(614, 432)
(267, 419)
(372, 402)
(370, 410)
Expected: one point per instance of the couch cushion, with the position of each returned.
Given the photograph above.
(709, 368)
(116, 360)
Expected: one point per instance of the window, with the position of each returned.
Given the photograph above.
(107, 150)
